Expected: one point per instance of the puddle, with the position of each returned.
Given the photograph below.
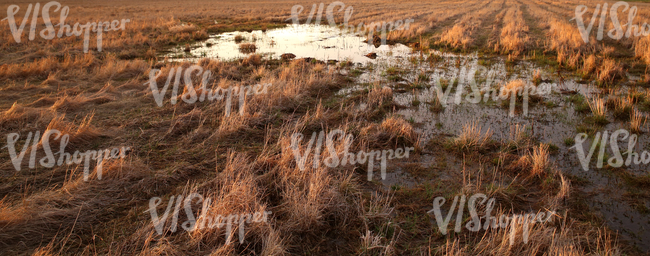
(396, 66)
(546, 124)
(305, 41)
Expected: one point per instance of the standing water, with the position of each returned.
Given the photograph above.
(549, 124)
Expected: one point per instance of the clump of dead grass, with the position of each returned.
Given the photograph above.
(623, 107)
(18, 117)
(378, 96)
(514, 38)
(253, 59)
(540, 160)
(472, 138)
(557, 238)
(183, 28)
(589, 65)
(247, 48)
(81, 134)
(393, 131)
(642, 49)
(609, 71)
(637, 121)
(598, 109)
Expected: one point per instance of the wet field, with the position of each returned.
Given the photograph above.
(416, 78)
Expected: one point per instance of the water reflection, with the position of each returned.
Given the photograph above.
(305, 41)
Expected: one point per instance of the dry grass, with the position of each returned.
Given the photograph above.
(183, 28)
(79, 135)
(461, 35)
(514, 86)
(434, 103)
(377, 97)
(242, 162)
(541, 239)
(518, 136)
(637, 121)
(597, 106)
(642, 49)
(254, 59)
(514, 38)
(540, 160)
(609, 71)
(589, 65)
(247, 47)
(17, 117)
(623, 107)
(239, 38)
(472, 138)
(393, 131)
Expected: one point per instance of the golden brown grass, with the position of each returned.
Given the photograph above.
(472, 137)
(623, 107)
(393, 131)
(589, 65)
(540, 160)
(642, 49)
(637, 121)
(609, 71)
(253, 59)
(462, 34)
(242, 161)
(514, 38)
(515, 86)
(247, 47)
(597, 106)
(542, 239)
(380, 96)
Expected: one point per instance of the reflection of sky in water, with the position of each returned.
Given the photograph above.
(319, 42)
